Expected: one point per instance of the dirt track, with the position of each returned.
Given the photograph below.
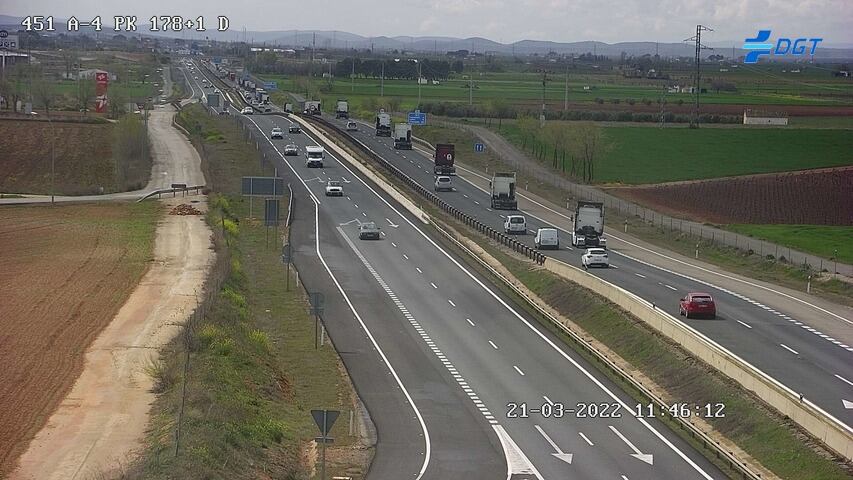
(65, 273)
(103, 418)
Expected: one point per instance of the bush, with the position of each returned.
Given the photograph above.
(630, 101)
(261, 339)
(599, 100)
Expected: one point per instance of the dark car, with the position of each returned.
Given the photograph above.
(368, 230)
(697, 304)
(293, 128)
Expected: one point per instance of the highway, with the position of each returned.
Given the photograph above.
(777, 342)
(459, 352)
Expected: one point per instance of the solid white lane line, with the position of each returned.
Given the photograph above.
(518, 370)
(469, 321)
(789, 349)
(493, 344)
(586, 439)
(844, 380)
(744, 324)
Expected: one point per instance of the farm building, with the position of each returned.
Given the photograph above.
(759, 117)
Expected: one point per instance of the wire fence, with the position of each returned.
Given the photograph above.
(700, 232)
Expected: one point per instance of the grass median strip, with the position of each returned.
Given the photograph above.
(253, 372)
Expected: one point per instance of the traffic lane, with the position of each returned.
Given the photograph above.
(824, 354)
(501, 362)
(400, 445)
(467, 450)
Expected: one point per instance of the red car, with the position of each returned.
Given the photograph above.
(697, 304)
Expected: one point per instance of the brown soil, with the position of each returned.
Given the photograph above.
(790, 198)
(83, 157)
(66, 271)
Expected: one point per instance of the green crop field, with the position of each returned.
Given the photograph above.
(821, 240)
(654, 155)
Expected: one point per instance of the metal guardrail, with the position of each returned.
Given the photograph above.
(173, 191)
(707, 442)
(468, 220)
(720, 452)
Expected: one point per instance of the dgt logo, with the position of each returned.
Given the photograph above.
(759, 47)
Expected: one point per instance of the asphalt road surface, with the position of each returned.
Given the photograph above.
(779, 343)
(478, 379)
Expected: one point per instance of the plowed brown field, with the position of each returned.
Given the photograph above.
(64, 273)
(822, 197)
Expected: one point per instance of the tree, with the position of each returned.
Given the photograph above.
(529, 127)
(43, 91)
(588, 145)
(85, 94)
(6, 90)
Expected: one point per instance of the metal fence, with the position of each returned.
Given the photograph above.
(698, 231)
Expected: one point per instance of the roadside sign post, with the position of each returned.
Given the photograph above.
(479, 147)
(287, 257)
(316, 301)
(324, 420)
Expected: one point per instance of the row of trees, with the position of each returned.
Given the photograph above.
(402, 69)
(573, 148)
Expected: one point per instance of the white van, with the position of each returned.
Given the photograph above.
(547, 238)
(314, 156)
(515, 224)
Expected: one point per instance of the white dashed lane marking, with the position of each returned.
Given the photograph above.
(518, 370)
(789, 349)
(493, 344)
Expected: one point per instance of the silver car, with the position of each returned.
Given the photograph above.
(368, 231)
(291, 150)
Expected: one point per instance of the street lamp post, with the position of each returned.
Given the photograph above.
(419, 82)
(382, 80)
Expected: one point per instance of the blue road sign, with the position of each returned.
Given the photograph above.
(479, 147)
(417, 118)
(271, 86)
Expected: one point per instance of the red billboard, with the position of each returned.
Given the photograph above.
(101, 81)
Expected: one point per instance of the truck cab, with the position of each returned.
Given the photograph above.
(402, 136)
(342, 109)
(502, 189)
(383, 124)
(314, 156)
(445, 154)
(588, 225)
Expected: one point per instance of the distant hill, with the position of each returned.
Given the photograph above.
(339, 39)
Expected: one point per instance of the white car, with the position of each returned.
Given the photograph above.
(595, 257)
(247, 111)
(547, 238)
(515, 224)
(442, 182)
(334, 189)
(352, 126)
(276, 133)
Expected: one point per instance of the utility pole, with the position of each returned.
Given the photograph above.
(694, 122)
(352, 77)
(382, 80)
(419, 82)
(544, 79)
(566, 97)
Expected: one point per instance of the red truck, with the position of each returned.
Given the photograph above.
(445, 153)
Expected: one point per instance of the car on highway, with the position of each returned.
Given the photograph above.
(247, 111)
(698, 304)
(515, 224)
(276, 133)
(352, 126)
(547, 238)
(293, 128)
(368, 231)
(291, 150)
(334, 189)
(267, 109)
(595, 257)
(443, 183)
(224, 112)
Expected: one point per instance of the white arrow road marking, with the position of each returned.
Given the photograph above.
(517, 462)
(314, 179)
(646, 457)
(354, 220)
(566, 457)
(847, 404)
(345, 180)
(392, 224)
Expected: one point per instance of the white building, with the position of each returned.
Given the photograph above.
(758, 117)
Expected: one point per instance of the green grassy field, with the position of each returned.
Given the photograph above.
(653, 155)
(822, 240)
(527, 88)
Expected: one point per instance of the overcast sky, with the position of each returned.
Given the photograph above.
(501, 20)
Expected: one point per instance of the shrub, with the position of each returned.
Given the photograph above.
(261, 339)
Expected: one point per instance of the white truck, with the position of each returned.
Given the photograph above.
(312, 108)
(383, 124)
(314, 156)
(588, 225)
(402, 136)
(503, 191)
(342, 109)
